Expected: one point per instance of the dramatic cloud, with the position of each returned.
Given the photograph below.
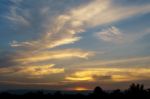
(40, 35)
(31, 71)
(65, 27)
(26, 58)
(109, 74)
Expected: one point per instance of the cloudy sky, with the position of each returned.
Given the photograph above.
(74, 44)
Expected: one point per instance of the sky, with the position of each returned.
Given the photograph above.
(74, 44)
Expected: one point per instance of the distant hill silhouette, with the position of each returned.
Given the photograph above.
(135, 91)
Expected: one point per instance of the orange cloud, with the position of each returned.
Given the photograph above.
(109, 74)
(31, 71)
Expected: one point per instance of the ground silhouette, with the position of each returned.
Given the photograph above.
(135, 91)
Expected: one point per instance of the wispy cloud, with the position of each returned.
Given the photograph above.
(109, 74)
(31, 71)
(25, 58)
(111, 34)
(65, 27)
(58, 54)
(18, 15)
(101, 12)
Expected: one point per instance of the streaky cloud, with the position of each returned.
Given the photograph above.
(109, 74)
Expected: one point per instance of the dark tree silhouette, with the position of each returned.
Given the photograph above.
(98, 91)
(136, 91)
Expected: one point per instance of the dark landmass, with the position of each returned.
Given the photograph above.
(135, 91)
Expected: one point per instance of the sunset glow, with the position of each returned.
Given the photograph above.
(74, 44)
(80, 89)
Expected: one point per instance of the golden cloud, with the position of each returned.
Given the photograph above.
(31, 71)
(58, 54)
(109, 74)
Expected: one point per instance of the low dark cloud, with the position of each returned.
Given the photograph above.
(102, 78)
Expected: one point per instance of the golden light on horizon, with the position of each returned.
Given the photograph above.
(80, 89)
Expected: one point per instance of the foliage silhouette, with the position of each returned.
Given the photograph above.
(136, 91)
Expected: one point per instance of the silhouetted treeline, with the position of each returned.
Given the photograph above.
(135, 91)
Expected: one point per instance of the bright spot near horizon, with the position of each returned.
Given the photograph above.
(81, 89)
